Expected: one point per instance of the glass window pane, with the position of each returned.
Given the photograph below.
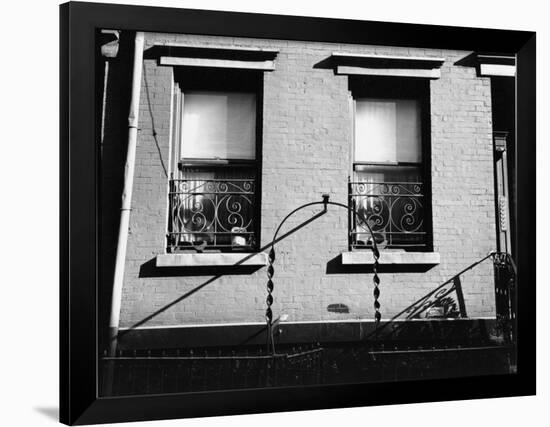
(387, 130)
(375, 131)
(219, 125)
(408, 132)
(385, 174)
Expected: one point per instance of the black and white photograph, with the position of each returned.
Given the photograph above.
(291, 212)
(288, 213)
(265, 210)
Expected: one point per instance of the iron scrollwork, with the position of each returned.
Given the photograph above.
(394, 211)
(211, 212)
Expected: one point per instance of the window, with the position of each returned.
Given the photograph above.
(219, 125)
(214, 181)
(388, 187)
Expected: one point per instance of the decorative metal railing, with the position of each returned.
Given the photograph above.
(214, 213)
(394, 211)
(208, 369)
(505, 295)
(199, 369)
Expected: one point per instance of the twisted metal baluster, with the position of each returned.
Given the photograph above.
(271, 259)
(269, 300)
(376, 281)
(375, 277)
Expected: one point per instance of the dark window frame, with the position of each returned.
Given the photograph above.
(377, 87)
(223, 80)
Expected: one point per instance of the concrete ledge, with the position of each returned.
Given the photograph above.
(218, 63)
(211, 47)
(391, 258)
(497, 70)
(386, 65)
(496, 65)
(211, 259)
(393, 72)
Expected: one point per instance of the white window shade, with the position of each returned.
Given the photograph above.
(219, 125)
(387, 130)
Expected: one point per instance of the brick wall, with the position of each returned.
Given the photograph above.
(306, 152)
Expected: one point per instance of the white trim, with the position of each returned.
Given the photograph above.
(496, 65)
(217, 63)
(497, 70)
(392, 72)
(303, 322)
(171, 141)
(391, 257)
(217, 47)
(180, 125)
(211, 259)
(353, 112)
(170, 153)
(387, 65)
(497, 57)
(390, 57)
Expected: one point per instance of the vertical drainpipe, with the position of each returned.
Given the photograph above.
(503, 200)
(126, 194)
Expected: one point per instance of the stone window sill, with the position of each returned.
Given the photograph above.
(391, 258)
(212, 259)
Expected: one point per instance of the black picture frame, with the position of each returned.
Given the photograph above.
(79, 402)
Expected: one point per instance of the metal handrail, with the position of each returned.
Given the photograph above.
(271, 258)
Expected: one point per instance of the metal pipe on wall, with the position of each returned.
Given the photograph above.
(126, 192)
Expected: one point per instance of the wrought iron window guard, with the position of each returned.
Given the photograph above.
(394, 211)
(211, 213)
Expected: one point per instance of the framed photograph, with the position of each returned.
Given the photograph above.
(268, 213)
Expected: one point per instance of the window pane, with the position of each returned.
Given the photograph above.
(219, 125)
(409, 145)
(367, 173)
(375, 131)
(387, 131)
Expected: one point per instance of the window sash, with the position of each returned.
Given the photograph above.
(213, 185)
(387, 130)
(218, 125)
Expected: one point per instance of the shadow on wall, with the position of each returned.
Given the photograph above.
(113, 100)
(149, 269)
(335, 266)
(432, 299)
(445, 300)
(152, 118)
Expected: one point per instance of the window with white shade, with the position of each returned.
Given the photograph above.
(214, 179)
(218, 125)
(388, 187)
(387, 131)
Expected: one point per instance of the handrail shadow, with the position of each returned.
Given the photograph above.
(413, 311)
(217, 276)
(426, 302)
